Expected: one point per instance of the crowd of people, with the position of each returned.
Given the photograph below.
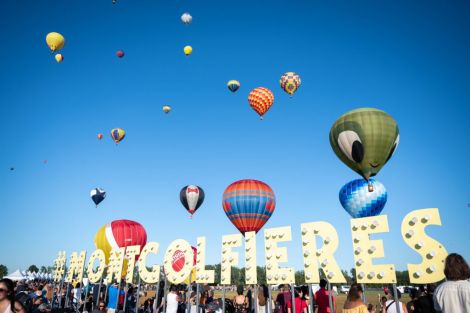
(451, 296)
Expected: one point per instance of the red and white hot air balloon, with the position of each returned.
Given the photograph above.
(191, 197)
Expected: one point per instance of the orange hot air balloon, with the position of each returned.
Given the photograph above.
(261, 99)
(100, 136)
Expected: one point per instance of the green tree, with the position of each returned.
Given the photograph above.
(43, 269)
(261, 274)
(353, 274)
(299, 277)
(402, 278)
(33, 268)
(3, 270)
(349, 279)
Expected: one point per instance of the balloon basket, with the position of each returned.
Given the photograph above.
(370, 187)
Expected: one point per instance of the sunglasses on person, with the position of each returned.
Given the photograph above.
(101, 306)
(3, 290)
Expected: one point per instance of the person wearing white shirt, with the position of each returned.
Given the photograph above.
(172, 300)
(453, 296)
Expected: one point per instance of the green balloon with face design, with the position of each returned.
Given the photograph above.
(365, 139)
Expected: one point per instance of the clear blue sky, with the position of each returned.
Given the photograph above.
(409, 58)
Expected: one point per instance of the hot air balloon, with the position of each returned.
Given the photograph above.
(358, 201)
(55, 41)
(192, 197)
(261, 99)
(166, 109)
(365, 139)
(59, 57)
(119, 53)
(186, 18)
(118, 134)
(100, 136)
(119, 234)
(290, 82)
(188, 50)
(248, 204)
(97, 195)
(233, 85)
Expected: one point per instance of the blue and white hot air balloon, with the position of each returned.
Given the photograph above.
(358, 201)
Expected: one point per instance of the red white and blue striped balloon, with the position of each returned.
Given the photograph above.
(248, 204)
(358, 201)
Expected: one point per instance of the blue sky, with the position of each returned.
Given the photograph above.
(409, 58)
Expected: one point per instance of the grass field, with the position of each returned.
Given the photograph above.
(371, 296)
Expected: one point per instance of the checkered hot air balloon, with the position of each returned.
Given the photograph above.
(248, 204)
(261, 99)
(290, 82)
(358, 201)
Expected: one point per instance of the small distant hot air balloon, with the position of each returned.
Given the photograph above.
(114, 1)
(248, 204)
(290, 82)
(186, 18)
(192, 197)
(12, 168)
(59, 57)
(100, 136)
(358, 201)
(118, 134)
(188, 50)
(120, 53)
(261, 99)
(45, 161)
(233, 85)
(120, 234)
(97, 195)
(166, 109)
(55, 41)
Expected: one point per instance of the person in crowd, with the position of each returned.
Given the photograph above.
(101, 308)
(424, 303)
(172, 300)
(249, 298)
(37, 301)
(382, 305)
(159, 301)
(390, 305)
(131, 300)
(322, 299)
(453, 295)
(20, 307)
(7, 295)
(306, 297)
(283, 298)
(263, 298)
(371, 308)
(354, 302)
(410, 306)
(76, 295)
(23, 302)
(112, 298)
(240, 302)
(300, 304)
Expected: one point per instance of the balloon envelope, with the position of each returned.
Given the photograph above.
(166, 108)
(248, 204)
(55, 41)
(365, 139)
(233, 85)
(120, 53)
(290, 82)
(186, 18)
(358, 201)
(260, 100)
(188, 50)
(59, 57)
(97, 195)
(100, 136)
(118, 134)
(192, 197)
(119, 234)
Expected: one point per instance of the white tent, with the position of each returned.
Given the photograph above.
(15, 276)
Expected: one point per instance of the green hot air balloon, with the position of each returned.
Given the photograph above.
(365, 139)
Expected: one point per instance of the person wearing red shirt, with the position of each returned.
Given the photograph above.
(321, 299)
(300, 303)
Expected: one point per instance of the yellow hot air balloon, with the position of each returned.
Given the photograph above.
(166, 108)
(188, 50)
(59, 57)
(55, 41)
(118, 134)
